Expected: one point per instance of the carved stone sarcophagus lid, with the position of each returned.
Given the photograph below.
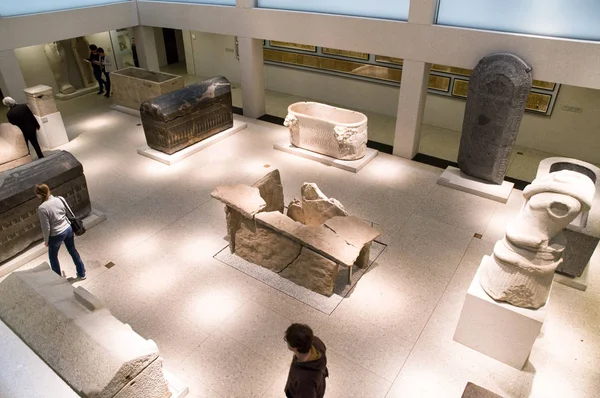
(19, 222)
(498, 92)
(184, 117)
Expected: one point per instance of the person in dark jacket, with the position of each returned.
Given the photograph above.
(21, 116)
(94, 59)
(136, 61)
(308, 370)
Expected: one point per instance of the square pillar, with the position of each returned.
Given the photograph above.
(253, 78)
(11, 76)
(188, 45)
(413, 93)
(146, 47)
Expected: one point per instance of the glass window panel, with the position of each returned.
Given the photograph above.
(576, 19)
(10, 8)
(384, 9)
(344, 53)
(213, 2)
(286, 44)
(388, 60)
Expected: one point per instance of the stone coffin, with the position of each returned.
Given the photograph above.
(41, 100)
(132, 86)
(184, 117)
(13, 148)
(19, 221)
(70, 330)
(498, 91)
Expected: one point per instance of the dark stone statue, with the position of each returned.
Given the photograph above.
(184, 117)
(498, 91)
(19, 221)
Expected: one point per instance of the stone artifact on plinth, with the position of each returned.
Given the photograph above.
(583, 233)
(181, 118)
(70, 330)
(132, 86)
(55, 53)
(522, 267)
(52, 132)
(306, 253)
(81, 51)
(336, 132)
(19, 221)
(40, 100)
(498, 91)
(13, 148)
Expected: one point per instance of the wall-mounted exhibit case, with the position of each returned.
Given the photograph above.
(181, 118)
(132, 86)
(443, 80)
(20, 224)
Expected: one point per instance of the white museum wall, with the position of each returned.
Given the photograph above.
(35, 67)
(214, 55)
(161, 51)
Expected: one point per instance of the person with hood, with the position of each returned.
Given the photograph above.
(21, 116)
(308, 370)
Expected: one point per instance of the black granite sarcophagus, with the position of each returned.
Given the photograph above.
(184, 117)
(19, 221)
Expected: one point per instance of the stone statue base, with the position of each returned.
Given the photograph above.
(52, 132)
(499, 330)
(452, 177)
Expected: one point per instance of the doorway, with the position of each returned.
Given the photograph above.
(170, 39)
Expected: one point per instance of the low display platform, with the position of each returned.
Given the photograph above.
(349, 165)
(452, 177)
(77, 93)
(38, 249)
(124, 109)
(191, 150)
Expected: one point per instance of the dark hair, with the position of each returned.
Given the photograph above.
(100, 50)
(93, 47)
(300, 337)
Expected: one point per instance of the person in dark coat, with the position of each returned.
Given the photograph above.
(94, 59)
(21, 116)
(308, 370)
(136, 61)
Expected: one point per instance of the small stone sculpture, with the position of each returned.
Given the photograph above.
(55, 53)
(498, 91)
(189, 115)
(13, 148)
(81, 50)
(522, 268)
(40, 100)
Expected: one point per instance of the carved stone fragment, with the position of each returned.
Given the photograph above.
(271, 191)
(13, 148)
(317, 207)
(19, 222)
(498, 91)
(181, 118)
(522, 268)
(132, 86)
(40, 100)
(313, 271)
(266, 248)
(55, 53)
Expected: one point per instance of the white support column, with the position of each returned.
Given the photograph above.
(188, 45)
(413, 88)
(252, 66)
(146, 47)
(11, 76)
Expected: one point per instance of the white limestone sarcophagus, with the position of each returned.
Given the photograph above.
(336, 132)
(132, 86)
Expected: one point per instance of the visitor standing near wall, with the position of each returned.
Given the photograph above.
(106, 65)
(57, 229)
(136, 62)
(21, 116)
(94, 59)
(308, 370)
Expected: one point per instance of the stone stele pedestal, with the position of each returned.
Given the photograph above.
(52, 132)
(181, 118)
(498, 91)
(132, 86)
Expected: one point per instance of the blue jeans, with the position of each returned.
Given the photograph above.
(54, 243)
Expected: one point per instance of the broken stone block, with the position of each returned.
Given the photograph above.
(271, 191)
(353, 230)
(266, 248)
(295, 211)
(312, 271)
(92, 351)
(242, 198)
(317, 207)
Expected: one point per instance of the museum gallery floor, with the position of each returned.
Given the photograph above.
(220, 330)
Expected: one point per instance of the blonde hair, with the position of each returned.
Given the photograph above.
(43, 190)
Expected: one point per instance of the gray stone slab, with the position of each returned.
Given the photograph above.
(498, 91)
(353, 166)
(181, 118)
(578, 253)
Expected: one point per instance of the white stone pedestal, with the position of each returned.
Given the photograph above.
(189, 151)
(348, 165)
(52, 131)
(498, 330)
(454, 178)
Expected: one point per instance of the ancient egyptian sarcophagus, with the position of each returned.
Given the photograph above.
(19, 221)
(184, 117)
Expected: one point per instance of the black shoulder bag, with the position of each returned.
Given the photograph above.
(76, 223)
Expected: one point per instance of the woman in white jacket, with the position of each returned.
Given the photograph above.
(57, 229)
(106, 63)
